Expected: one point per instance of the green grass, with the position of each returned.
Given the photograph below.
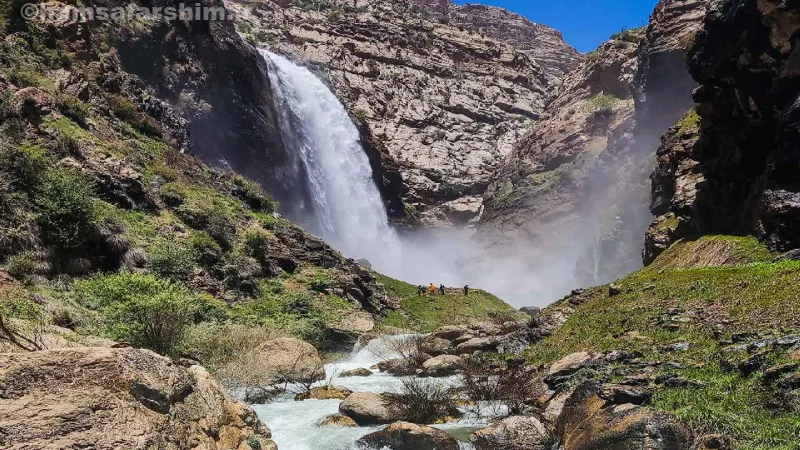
(421, 314)
(747, 295)
(732, 405)
(712, 251)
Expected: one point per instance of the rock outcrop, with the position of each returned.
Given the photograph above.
(109, 399)
(729, 166)
(438, 104)
(544, 44)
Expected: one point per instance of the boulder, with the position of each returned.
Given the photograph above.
(289, 359)
(435, 346)
(324, 393)
(516, 432)
(450, 332)
(337, 420)
(442, 366)
(624, 427)
(367, 408)
(350, 327)
(409, 436)
(119, 398)
(360, 372)
(484, 344)
(399, 366)
(567, 366)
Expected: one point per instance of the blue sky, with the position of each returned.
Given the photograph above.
(585, 23)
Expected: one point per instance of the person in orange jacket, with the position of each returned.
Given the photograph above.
(433, 289)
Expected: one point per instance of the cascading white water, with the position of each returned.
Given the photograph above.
(295, 426)
(348, 209)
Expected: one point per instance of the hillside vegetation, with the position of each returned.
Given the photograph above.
(711, 313)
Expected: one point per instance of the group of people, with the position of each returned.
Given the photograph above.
(442, 290)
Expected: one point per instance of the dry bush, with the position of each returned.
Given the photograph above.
(511, 383)
(424, 401)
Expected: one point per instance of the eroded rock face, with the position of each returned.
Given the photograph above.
(438, 105)
(109, 399)
(730, 167)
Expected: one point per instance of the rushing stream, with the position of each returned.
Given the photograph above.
(294, 424)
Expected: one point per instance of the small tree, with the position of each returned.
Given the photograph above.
(425, 401)
(65, 202)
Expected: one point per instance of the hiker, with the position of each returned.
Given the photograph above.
(441, 290)
(433, 290)
(466, 291)
(420, 290)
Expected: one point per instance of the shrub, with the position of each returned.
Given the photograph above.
(360, 115)
(206, 250)
(601, 104)
(22, 265)
(423, 400)
(511, 383)
(125, 110)
(632, 35)
(22, 166)
(256, 244)
(73, 109)
(66, 208)
(143, 310)
(171, 260)
(213, 217)
(252, 194)
(26, 334)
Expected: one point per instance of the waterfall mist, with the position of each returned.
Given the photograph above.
(346, 208)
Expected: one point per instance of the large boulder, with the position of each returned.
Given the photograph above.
(475, 344)
(435, 346)
(360, 372)
(409, 436)
(516, 432)
(337, 420)
(628, 427)
(367, 408)
(442, 366)
(289, 359)
(123, 398)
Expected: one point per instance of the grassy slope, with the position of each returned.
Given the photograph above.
(759, 297)
(422, 314)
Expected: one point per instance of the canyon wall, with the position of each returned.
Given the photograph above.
(440, 97)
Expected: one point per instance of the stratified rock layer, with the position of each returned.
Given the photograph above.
(438, 104)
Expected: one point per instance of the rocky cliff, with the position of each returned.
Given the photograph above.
(439, 103)
(730, 165)
(544, 44)
(562, 177)
(575, 185)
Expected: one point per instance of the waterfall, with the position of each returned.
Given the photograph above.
(347, 208)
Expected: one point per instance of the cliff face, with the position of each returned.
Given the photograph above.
(731, 165)
(439, 104)
(549, 194)
(575, 185)
(542, 43)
